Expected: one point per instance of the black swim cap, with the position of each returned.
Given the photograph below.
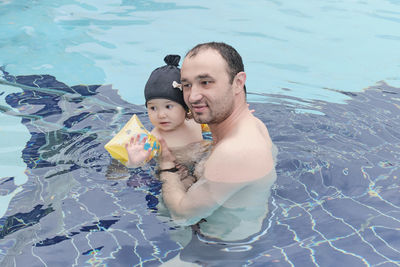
(159, 84)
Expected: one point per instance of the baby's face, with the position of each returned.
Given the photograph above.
(166, 115)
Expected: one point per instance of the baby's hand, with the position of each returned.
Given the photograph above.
(137, 155)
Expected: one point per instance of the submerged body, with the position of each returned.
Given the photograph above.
(243, 212)
(231, 210)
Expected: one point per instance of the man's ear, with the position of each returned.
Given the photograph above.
(239, 82)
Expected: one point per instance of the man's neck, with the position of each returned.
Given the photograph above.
(224, 128)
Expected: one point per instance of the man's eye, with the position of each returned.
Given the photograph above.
(206, 83)
(186, 85)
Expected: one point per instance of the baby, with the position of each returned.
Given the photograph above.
(167, 112)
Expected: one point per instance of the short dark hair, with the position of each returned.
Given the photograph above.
(228, 53)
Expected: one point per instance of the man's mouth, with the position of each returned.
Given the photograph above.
(199, 108)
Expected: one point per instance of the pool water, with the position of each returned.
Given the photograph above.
(328, 95)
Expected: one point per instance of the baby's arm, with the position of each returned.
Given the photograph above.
(137, 155)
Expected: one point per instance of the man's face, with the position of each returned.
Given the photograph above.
(206, 87)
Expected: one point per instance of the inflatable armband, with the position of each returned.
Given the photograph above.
(116, 146)
(205, 128)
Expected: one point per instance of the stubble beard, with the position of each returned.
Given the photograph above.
(215, 115)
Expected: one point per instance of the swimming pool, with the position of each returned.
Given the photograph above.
(336, 196)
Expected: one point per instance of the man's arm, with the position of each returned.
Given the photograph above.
(204, 196)
(184, 205)
(199, 201)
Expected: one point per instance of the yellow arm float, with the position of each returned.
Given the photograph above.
(116, 146)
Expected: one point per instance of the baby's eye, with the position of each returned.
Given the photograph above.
(152, 108)
(169, 106)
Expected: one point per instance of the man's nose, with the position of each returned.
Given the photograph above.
(194, 94)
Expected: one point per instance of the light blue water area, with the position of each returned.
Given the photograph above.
(13, 137)
(303, 46)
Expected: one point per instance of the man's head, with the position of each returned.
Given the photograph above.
(228, 53)
(213, 82)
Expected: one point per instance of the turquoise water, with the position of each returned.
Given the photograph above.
(314, 65)
(308, 47)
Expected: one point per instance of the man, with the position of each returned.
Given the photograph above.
(234, 182)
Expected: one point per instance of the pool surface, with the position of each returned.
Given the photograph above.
(336, 197)
(323, 76)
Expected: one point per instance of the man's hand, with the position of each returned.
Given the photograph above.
(137, 155)
(186, 179)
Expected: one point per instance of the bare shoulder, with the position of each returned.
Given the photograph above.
(262, 128)
(193, 125)
(243, 157)
(156, 133)
(193, 133)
